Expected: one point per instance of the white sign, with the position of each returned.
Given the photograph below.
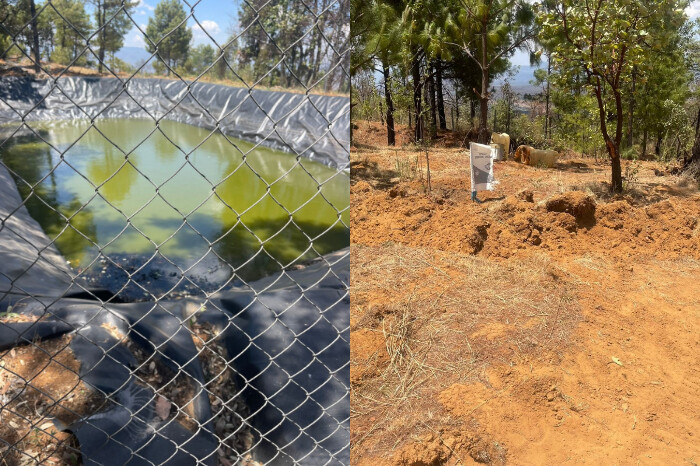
(482, 158)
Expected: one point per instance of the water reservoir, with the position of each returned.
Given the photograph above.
(126, 198)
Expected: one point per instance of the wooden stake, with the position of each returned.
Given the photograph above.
(427, 162)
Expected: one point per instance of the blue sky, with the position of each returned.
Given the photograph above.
(217, 17)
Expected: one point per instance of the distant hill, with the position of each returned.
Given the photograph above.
(135, 56)
(520, 82)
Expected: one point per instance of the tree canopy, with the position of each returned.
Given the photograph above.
(168, 35)
(606, 43)
(617, 75)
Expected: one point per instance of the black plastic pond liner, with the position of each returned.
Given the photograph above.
(292, 357)
(313, 126)
(30, 265)
(286, 336)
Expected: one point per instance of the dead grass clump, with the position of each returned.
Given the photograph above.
(406, 368)
(444, 318)
(690, 177)
(407, 167)
(371, 172)
(229, 410)
(39, 383)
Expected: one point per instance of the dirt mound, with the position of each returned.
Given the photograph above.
(520, 330)
(374, 133)
(363, 187)
(525, 195)
(576, 203)
(569, 223)
(461, 448)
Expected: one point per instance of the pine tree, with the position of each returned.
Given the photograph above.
(31, 39)
(200, 58)
(112, 23)
(71, 25)
(169, 19)
(488, 31)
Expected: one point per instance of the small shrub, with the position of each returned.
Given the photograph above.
(632, 152)
(407, 167)
(631, 175)
(690, 177)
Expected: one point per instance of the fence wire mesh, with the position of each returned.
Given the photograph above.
(173, 232)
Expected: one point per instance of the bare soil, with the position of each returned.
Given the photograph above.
(39, 383)
(553, 323)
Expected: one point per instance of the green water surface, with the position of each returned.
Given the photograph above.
(125, 186)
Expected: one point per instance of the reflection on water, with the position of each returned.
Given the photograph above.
(125, 192)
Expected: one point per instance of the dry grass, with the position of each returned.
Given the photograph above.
(690, 178)
(444, 319)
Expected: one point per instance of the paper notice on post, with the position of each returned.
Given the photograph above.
(482, 158)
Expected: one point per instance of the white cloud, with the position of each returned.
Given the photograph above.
(693, 10)
(134, 38)
(198, 34)
(143, 8)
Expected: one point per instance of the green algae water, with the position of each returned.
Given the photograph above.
(176, 191)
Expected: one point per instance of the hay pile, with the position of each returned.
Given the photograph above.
(536, 157)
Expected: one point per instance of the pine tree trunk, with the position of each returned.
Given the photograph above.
(644, 143)
(630, 134)
(657, 148)
(417, 98)
(408, 110)
(101, 25)
(613, 147)
(483, 137)
(440, 96)
(221, 65)
(319, 43)
(614, 153)
(695, 153)
(456, 111)
(472, 112)
(35, 37)
(390, 131)
(616, 164)
(431, 101)
(547, 129)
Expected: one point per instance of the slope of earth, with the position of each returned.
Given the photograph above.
(553, 323)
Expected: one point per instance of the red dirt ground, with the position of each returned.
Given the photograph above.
(553, 323)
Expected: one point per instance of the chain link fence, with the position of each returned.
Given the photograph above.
(174, 235)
